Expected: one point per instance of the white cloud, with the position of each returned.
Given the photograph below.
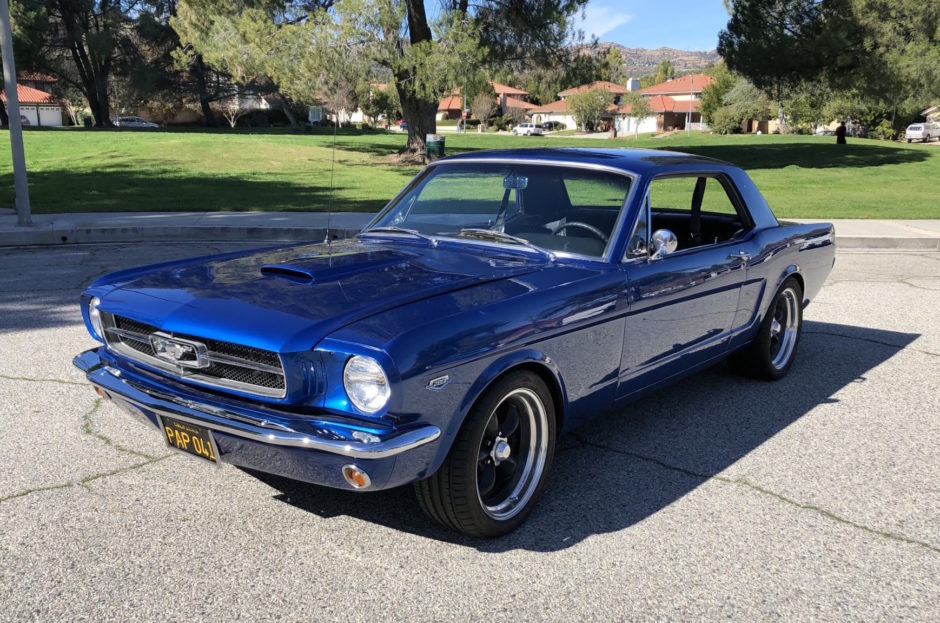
(600, 20)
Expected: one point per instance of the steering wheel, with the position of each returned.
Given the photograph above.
(579, 225)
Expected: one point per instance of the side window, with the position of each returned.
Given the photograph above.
(697, 209)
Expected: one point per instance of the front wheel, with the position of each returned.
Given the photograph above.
(772, 352)
(498, 464)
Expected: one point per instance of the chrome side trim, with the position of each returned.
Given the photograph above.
(135, 396)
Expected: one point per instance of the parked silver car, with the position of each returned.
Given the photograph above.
(134, 122)
(922, 131)
(527, 129)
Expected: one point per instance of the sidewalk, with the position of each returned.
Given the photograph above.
(54, 229)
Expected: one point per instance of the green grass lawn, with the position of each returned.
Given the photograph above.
(77, 170)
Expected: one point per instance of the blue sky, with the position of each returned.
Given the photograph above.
(681, 24)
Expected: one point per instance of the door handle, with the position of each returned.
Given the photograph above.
(744, 256)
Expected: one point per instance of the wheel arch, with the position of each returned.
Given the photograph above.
(533, 360)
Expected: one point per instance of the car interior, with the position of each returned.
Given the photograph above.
(697, 209)
(572, 210)
(556, 208)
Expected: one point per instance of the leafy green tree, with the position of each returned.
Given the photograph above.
(614, 69)
(664, 71)
(588, 107)
(713, 95)
(639, 109)
(374, 101)
(886, 52)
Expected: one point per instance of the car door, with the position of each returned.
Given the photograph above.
(682, 305)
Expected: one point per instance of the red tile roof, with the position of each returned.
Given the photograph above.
(593, 86)
(515, 102)
(35, 76)
(693, 83)
(663, 103)
(503, 89)
(560, 106)
(29, 95)
(451, 102)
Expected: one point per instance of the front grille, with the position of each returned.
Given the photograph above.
(232, 366)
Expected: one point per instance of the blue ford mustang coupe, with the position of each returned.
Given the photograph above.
(500, 299)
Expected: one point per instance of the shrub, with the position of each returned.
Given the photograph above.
(885, 130)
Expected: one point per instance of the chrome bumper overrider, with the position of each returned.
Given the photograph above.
(115, 384)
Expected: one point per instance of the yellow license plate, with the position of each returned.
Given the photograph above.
(189, 438)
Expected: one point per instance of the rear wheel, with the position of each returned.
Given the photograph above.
(498, 464)
(772, 352)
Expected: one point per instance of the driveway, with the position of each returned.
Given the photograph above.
(813, 498)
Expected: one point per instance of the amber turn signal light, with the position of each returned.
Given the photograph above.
(357, 478)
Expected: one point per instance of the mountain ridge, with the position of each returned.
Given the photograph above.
(639, 62)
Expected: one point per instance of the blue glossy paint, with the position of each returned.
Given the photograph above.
(599, 330)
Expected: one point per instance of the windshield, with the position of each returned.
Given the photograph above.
(552, 207)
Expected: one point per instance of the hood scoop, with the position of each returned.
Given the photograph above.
(286, 271)
(321, 269)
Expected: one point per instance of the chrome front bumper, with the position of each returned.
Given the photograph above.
(337, 439)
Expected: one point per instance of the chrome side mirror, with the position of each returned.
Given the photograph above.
(662, 243)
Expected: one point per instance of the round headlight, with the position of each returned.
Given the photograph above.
(95, 317)
(366, 384)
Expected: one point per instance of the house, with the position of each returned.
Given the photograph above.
(673, 104)
(932, 113)
(559, 111)
(39, 108)
(603, 85)
(452, 105)
(556, 111)
(36, 80)
(676, 102)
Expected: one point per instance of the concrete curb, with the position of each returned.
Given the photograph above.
(65, 229)
(876, 244)
(86, 235)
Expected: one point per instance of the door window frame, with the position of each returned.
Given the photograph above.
(645, 212)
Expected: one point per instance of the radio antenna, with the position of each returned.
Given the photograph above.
(329, 205)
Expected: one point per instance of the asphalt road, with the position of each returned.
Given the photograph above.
(815, 498)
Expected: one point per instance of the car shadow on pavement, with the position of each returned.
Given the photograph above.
(624, 467)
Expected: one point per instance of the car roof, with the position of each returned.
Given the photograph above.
(640, 161)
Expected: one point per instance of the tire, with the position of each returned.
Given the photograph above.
(772, 352)
(500, 460)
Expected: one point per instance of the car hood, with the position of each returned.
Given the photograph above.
(288, 299)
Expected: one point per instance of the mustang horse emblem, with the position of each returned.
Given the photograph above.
(180, 352)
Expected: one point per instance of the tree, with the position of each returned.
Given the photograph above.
(639, 110)
(84, 40)
(886, 52)
(588, 107)
(664, 71)
(483, 106)
(232, 111)
(614, 68)
(713, 95)
(375, 101)
(424, 54)
(225, 35)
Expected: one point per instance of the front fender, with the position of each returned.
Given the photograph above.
(494, 370)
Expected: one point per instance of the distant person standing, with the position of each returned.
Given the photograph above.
(840, 134)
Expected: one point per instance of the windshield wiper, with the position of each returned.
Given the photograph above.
(394, 229)
(499, 236)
